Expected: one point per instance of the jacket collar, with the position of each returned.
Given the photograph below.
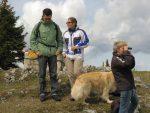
(46, 23)
(115, 53)
(73, 30)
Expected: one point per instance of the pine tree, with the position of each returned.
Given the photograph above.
(11, 37)
(103, 64)
(107, 63)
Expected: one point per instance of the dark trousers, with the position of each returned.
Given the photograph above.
(52, 63)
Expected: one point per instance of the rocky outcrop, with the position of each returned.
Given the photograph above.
(90, 68)
(17, 74)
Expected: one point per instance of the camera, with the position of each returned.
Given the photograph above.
(129, 48)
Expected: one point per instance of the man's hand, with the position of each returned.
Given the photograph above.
(57, 52)
(64, 55)
(73, 48)
(38, 53)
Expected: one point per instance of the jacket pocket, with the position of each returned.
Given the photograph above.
(76, 40)
(53, 50)
(44, 50)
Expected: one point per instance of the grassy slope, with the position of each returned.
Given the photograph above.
(144, 92)
(22, 97)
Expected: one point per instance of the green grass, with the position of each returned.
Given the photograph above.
(144, 75)
(23, 97)
(144, 92)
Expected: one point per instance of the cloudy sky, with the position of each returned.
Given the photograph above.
(105, 21)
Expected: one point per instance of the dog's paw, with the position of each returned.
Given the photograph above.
(109, 101)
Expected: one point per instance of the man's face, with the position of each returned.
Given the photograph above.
(46, 18)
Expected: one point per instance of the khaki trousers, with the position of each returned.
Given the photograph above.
(74, 69)
(59, 64)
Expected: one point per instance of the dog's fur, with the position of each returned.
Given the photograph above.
(101, 82)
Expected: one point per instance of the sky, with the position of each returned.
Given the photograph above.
(105, 22)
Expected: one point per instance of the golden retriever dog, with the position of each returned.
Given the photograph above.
(101, 82)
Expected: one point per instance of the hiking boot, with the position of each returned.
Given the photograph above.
(42, 97)
(56, 97)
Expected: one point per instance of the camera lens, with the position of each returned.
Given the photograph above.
(129, 48)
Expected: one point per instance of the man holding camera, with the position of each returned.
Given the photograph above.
(122, 64)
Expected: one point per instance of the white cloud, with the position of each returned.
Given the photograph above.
(126, 20)
(142, 61)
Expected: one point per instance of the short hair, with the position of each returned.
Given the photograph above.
(47, 12)
(118, 44)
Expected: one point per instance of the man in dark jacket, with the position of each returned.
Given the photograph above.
(122, 64)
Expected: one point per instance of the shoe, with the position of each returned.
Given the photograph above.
(42, 97)
(56, 97)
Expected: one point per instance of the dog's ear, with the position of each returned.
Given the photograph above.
(115, 106)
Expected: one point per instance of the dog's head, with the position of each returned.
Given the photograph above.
(115, 106)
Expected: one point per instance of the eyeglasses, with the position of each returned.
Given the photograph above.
(68, 22)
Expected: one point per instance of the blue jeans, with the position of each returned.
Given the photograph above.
(52, 63)
(128, 101)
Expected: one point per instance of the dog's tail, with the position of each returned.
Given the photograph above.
(80, 90)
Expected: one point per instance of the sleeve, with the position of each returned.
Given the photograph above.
(127, 61)
(65, 44)
(33, 40)
(84, 42)
(60, 40)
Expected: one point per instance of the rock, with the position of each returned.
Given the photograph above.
(137, 79)
(59, 80)
(137, 109)
(89, 68)
(31, 64)
(89, 111)
(24, 92)
(18, 74)
(9, 77)
(147, 86)
(12, 71)
(9, 93)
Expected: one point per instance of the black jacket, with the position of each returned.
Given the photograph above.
(122, 69)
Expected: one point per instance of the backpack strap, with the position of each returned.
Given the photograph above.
(37, 32)
(56, 27)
